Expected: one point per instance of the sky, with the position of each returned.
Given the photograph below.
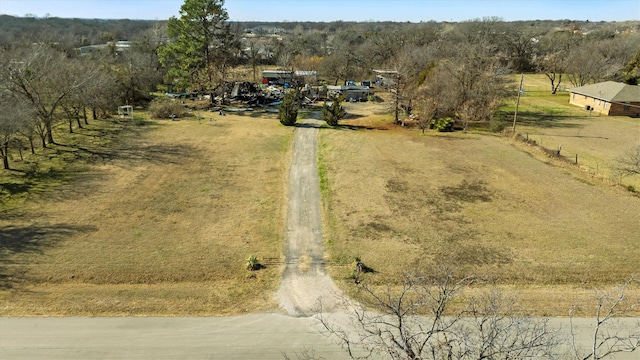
(345, 10)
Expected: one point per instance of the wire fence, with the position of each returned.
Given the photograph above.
(553, 148)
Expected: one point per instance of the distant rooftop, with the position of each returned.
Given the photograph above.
(610, 91)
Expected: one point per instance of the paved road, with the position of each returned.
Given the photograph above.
(255, 336)
(261, 336)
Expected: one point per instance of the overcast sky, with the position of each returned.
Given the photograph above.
(346, 10)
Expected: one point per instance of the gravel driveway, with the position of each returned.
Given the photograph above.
(305, 282)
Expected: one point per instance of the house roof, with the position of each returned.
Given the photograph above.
(306, 73)
(610, 91)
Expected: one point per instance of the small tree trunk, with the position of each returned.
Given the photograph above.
(49, 132)
(5, 155)
(31, 145)
(84, 114)
(70, 126)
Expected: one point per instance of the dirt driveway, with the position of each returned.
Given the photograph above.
(305, 283)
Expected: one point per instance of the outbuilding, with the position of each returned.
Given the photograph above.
(278, 77)
(350, 92)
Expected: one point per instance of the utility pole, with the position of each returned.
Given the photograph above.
(397, 96)
(515, 115)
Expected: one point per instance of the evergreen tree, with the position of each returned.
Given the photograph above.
(334, 112)
(200, 45)
(288, 114)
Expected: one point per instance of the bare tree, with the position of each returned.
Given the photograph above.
(494, 330)
(102, 94)
(595, 61)
(345, 62)
(42, 76)
(433, 317)
(75, 103)
(254, 56)
(519, 45)
(469, 86)
(551, 56)
(608, 336)
(14, 116)
(628, 163)
(427, 319)
(305, 354)
(427, 110)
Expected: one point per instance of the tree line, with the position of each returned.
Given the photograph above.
(440, 70)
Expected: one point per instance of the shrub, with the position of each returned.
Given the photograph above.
(443, 124)
(496, 125)
(163, 108)
(252, 263)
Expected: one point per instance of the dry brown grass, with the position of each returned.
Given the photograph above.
(402, 201)
(160, 222)
(552, 122)
(162, 228)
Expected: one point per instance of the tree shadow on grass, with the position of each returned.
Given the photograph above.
(156, 154)
(29, 240)
(14, 188)
(546, 121)
(308, 125)
(125, 156)
(63, 161)
(358, 127)
(577, 136)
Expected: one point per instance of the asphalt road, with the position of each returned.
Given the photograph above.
(261, 336)
(255, 336)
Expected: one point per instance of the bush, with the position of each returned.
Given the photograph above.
(163, 108)
(443, 124)
(496, 126)
(252, 263)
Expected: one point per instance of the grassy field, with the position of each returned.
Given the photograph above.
(148, 220)
(553, 123)
(475, 202)
(158, 219)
